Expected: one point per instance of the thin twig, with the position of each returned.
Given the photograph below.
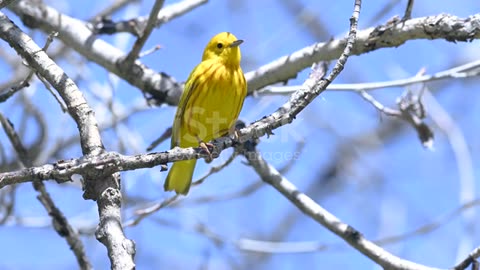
(408, 10)
(378, 105)
(408, 104)
(60, 223)
(149, 51)
(470, 69)
(242, 193)
(143, 213)
(47, 85)
(49, 88)
(385, 9)
(14, 89)
(7, 202)
(165, 135)
(135, 26)
(114, 7)
(215, 169)
(431, 226)
(140, 42)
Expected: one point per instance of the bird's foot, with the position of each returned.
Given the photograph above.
(208, 148)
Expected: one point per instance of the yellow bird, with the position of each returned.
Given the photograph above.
(209, 106)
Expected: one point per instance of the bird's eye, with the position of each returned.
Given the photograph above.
(219, 45)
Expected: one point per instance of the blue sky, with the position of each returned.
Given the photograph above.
(388, 187)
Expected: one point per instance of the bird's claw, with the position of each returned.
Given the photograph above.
(206, 148)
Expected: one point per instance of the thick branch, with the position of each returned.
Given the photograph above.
(103, 164)
(121, 255)
(393, 34)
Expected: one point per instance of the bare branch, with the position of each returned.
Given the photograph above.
(178, 9)
(76, 34)
(143, 213)
(105, 190)
(468, 70)
(60, 223)
(8, 197)
(164, 89)
(112, 162)
(385, 9)
(431, 226)
(306, 18)
(390, 35)
(379, 106)
(136, 26)
(242, 193)
(406, 111)
(254, 245)
(271, 176)
(470, 260)
(165, 135)
(140, 42)
(408, 10)
(149, 51)
(307, 205)
(117, 5)
(14, 89)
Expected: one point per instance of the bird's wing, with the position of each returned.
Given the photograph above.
(177, 123)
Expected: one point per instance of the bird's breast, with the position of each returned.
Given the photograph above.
(215, 103)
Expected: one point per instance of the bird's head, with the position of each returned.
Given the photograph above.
(225, 47)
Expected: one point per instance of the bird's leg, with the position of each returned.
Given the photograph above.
(206, 147)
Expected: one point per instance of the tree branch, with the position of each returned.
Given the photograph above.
(59, 222)
(471, 69)
(104, 190)
(136, 25)
(164, 89)
(471, 259)
(74, 33)
(309, 207)
(140, 42)
(392, 34)
(111, 162)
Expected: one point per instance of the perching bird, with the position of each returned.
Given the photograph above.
(209, 106)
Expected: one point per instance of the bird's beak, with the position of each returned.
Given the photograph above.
(235, 43)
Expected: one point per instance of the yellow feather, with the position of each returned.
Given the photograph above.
(181, 170)
(209, 106)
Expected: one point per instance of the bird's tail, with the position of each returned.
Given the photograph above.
(180, 175)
